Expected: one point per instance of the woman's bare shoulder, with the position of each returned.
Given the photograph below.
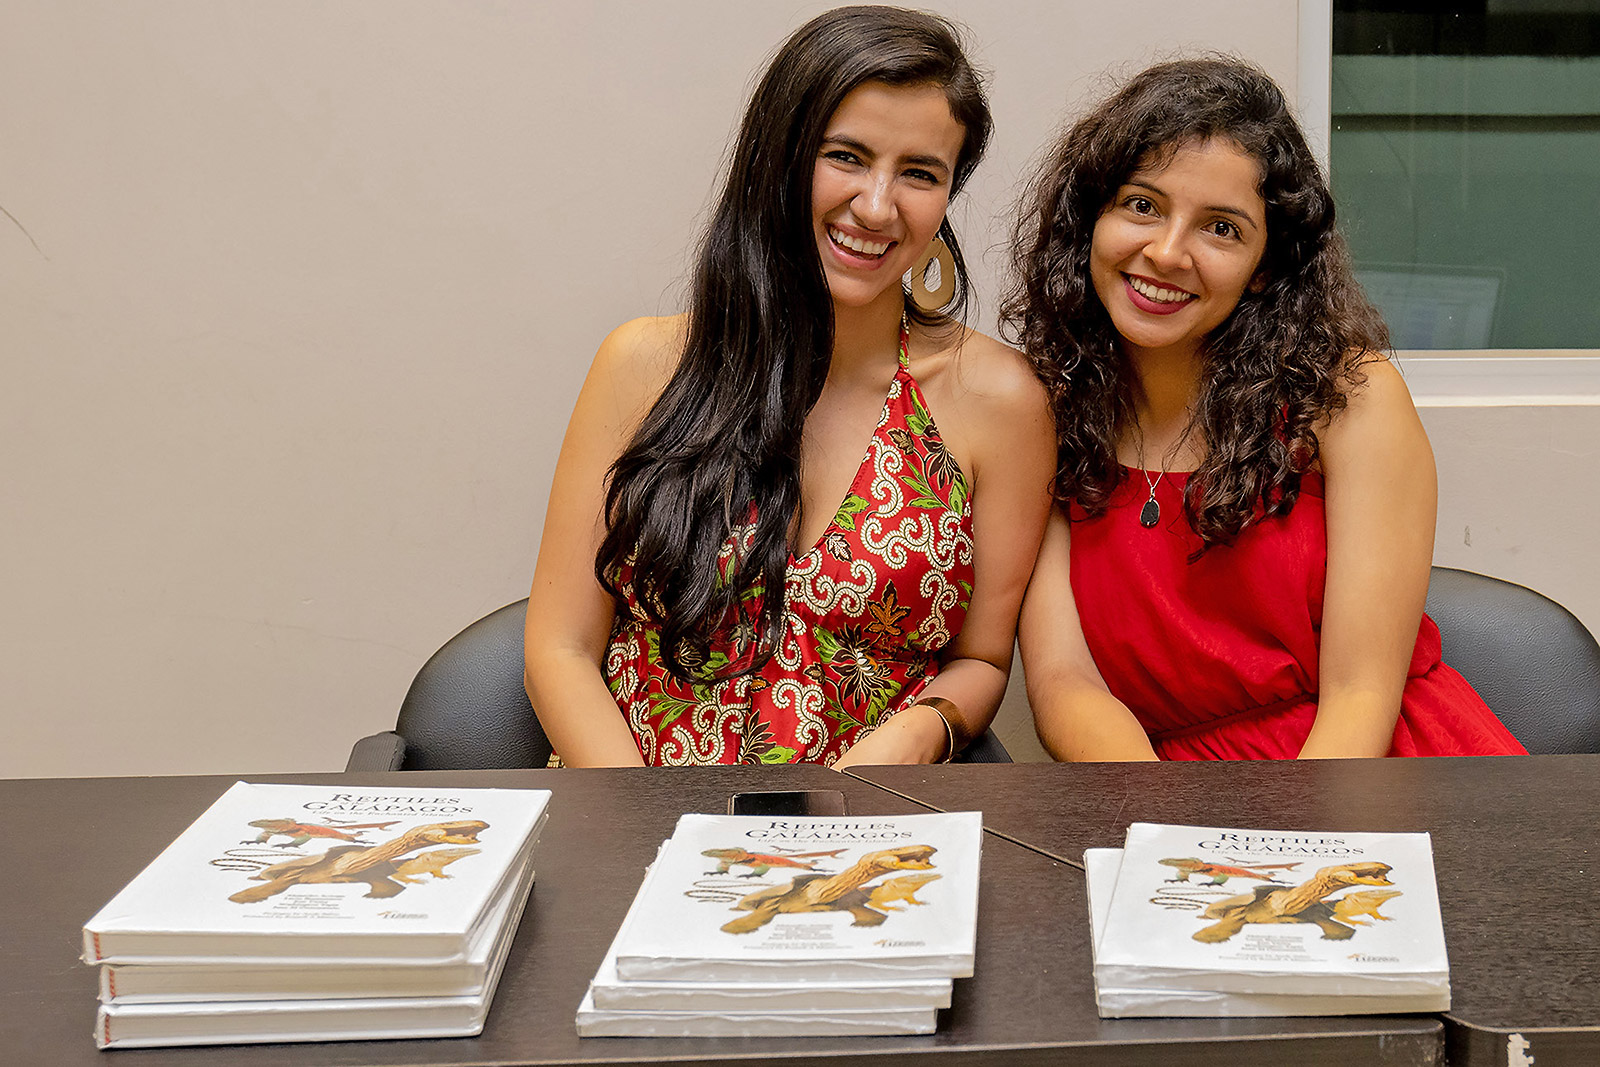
(999, 380)
(1378, 413)
(644, 348)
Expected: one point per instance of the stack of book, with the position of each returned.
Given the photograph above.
(1207, 921)
(318, 913)
(794, 926)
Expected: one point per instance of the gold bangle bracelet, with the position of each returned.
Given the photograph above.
(946, 710)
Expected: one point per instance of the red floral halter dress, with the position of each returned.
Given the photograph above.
(867, 610)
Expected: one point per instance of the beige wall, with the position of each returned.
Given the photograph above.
(305, 295)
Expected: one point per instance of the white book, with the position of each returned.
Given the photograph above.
(774, 1022)
(277, 979)
(609, 993)
(272, 1021)
(736, 898)
(1219, 910)
(324, 872)
(1100, 868)
(340, 1019)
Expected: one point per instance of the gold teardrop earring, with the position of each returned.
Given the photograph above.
(934, 299)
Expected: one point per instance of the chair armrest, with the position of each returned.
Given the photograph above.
(379, 752)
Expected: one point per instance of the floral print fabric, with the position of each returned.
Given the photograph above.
(867, 611)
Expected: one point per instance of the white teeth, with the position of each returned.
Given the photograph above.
(1156, 293)
(856, 244)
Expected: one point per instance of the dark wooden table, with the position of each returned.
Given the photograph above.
(71, 843)
(1514, 842)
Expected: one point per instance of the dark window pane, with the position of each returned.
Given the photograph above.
(1465, 153)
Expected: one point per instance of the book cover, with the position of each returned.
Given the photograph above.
(1100, 869)
(753, 898)
(170, 982)
(609, 993)
(324, 872)
(1266, 911)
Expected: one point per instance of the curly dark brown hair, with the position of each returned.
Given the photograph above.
(1282, 361)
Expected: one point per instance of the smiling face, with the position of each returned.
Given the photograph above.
(880, 187)
(1178, 245)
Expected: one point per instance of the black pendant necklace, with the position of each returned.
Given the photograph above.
(1150, 514)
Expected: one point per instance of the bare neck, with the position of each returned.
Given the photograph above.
(1165, 386)
(866, 340)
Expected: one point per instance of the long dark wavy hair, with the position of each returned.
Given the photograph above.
(725, 433)
(1279, 364)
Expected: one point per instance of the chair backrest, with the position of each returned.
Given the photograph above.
(467, 706)
(1529, 658)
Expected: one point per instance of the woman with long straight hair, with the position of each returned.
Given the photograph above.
(795, 522)
(1247, 496)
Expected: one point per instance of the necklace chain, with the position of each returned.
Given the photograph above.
(1150, 513)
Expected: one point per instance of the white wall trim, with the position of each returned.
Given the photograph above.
(1314, 81)
(1502, 379)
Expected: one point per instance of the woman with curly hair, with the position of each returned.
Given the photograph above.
(795, 523)
(1238, 566)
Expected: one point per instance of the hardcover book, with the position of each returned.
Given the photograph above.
(1216, 910)
(610, 996)
(736, 898)
(237, 1022)
(319, 872)
(277, 979)
(1100, 867)
(251, 1022)
(770, 1022)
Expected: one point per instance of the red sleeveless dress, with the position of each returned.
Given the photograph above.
(1218, 658)
(867, 611)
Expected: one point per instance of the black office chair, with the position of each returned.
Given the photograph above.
(467, 709)
(1530, 658)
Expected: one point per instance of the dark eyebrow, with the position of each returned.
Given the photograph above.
(862, 150)
(1220, 209)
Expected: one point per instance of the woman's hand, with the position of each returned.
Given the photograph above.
(1381, 505)
(915, 735)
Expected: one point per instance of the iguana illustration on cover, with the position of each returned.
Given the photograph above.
(849, 890)
(386, 868)
(1312, 901)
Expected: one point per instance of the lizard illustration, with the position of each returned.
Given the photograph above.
(844, 891)
(374, 865)
(432, 863)
(1304, 903)
(301, 832)
(760, 863)
(1220, 872)
(1362, 902)
(903, 888)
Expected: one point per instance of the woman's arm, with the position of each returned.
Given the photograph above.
(1382, 499)
(569, 614)
(990, 407)
(1074, 713)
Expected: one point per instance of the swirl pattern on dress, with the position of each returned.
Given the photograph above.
(867, 611)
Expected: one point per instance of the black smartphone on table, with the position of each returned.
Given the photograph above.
(788, 802)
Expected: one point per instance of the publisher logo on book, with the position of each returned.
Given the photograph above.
(392, 914)
(889, 942)
(1362, 957)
